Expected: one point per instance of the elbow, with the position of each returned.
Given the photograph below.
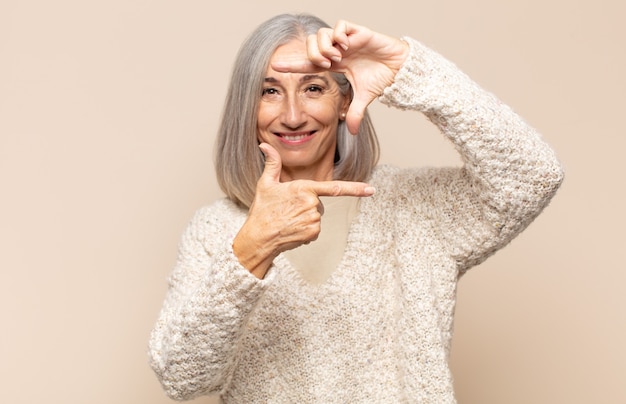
(561, 175)
(552, 179)
(169, 383)
(530, 197)
(540, 192)
(178, 385)
(541, 177)
(180, 391)
(176, 381)
(175, 392)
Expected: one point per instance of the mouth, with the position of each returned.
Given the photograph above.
(295, 137)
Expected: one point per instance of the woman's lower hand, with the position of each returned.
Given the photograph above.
(285, 215)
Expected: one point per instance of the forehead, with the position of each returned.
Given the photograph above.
(294, 49)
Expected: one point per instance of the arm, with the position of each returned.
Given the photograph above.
(509, 173)
(194, 343)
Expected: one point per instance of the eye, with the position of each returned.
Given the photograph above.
(313, 88)
(313, 91)
(269, 91)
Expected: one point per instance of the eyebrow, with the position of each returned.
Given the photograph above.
(303, 79)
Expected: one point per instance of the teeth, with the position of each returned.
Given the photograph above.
(293, 137)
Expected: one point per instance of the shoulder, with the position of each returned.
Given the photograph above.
(221, 209)
(219, 218)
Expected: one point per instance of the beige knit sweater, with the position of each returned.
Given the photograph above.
(378, 330)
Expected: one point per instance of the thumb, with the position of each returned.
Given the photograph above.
(356, 112)
(273, 163)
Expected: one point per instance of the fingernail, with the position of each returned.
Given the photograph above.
(325, 64)
(336, 59)
(369, 191)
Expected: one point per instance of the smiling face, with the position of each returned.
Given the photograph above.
(298, 115)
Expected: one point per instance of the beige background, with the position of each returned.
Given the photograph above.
(108, 111)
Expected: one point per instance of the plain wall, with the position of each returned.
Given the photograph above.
(108, 114)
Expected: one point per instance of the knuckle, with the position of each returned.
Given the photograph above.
(314, 232)
(336, 190)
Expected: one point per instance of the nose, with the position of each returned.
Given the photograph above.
(294, 114)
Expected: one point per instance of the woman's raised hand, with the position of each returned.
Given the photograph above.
(285, 215)
(368, 59)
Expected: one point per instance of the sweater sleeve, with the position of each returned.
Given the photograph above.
(193, 346)
(509, 173)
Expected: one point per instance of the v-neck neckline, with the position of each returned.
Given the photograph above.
(355, 235)
(315, 262)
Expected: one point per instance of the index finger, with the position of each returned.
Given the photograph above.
(341, 188)
(294, 65)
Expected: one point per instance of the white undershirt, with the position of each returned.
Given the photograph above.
(316, 261)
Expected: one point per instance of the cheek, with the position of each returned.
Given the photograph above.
(326, 112)
(266, 114)
(263, 116)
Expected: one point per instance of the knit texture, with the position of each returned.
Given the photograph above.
(378, 330)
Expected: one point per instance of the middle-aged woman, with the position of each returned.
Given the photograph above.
(321, 277)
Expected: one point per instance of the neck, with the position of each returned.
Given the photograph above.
(306, 173)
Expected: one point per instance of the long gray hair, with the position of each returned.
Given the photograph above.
(238, 161)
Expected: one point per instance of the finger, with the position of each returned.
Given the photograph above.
(341, 188)
(355, 113)
(299, 65)
(340, 34)
(314, 52)
(327, 46)
(320, 208)
(273, 163)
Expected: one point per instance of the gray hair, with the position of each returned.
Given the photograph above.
(238, 161)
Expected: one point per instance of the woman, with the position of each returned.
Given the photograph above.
(307, 284)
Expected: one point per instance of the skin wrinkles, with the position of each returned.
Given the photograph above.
(298, 115)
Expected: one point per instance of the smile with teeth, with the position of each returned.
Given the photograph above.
(294, 137)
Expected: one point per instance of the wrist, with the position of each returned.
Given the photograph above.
(254, 258)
